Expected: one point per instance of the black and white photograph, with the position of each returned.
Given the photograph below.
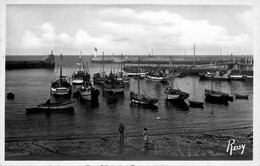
(136, 82)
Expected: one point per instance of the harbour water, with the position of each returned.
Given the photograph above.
(32, 86)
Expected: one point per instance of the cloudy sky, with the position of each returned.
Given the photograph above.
(129, 29)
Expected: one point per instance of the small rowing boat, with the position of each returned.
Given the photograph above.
(197, 104)
(48, 106)
(238, 96)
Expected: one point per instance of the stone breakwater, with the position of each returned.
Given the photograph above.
(46, 62)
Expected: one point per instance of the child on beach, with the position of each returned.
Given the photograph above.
(146, 140)
(121, 131)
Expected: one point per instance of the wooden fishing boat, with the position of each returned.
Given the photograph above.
(239, 96)
(141, 99)
(81, 75)
(85, 91)
(216, 96)
(124, 78)
(120, 75)
(157, 75)
(99, 78)
(173, 93)
(209, 76)
(197, 104)
(58, 106)
(132, 74)
(111, 84)
(237, 77)
(61, 86)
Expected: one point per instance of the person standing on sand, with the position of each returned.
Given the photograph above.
(121, 131)
(146, 140)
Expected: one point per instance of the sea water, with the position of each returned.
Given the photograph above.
(32, 86)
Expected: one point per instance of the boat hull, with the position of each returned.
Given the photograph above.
(60, 91)
(237, 77)
(114, 90)
(136, 74)
(142, 99)
(155, 78)
(77, 81)
(241, 96)
(85, 95)
(56, 107)
(215, 98)
(208, 77)
(197, 104)
(175, 94)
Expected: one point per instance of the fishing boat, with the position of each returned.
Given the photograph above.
(157, 75)
(239, 96)
(141, 99)
(99, 78)
(197, 104)
(112, 84)
(216, 76)
(81, 75)
(61, 86)
(172, 93)
(120, 75)
(48, 106)
(133, 74)
(216, 96)
(85, 91)
(124, 78)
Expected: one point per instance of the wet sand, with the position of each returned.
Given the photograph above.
(196, 146)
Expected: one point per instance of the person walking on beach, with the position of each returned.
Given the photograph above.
(121, 131)
(146, 140)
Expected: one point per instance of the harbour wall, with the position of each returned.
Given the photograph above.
(46, 62)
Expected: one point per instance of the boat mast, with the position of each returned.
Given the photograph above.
(171, 71)
(60, 69)
(194, 59)
(113, 65)
(80, 62)
(121, 66)
(103, 64)
(211, 76)
(138, 86)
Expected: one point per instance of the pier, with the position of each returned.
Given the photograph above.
(46, 62)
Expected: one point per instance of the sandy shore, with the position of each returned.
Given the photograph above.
(197, 146)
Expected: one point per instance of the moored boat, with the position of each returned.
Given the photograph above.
(157, 75)
(58, 106)
(197, 104)
(100, 77)
(216, 96)
(132, 74)
(141, 99)
(85, 91)
(111, 84)
(61, 86)
(209, 76)
(173, 93)
(81, 75)
(239, 96)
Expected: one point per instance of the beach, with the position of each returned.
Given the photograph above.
(194, 146)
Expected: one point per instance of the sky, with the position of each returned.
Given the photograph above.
(135, 29)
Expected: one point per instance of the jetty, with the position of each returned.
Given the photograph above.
(46, 62)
